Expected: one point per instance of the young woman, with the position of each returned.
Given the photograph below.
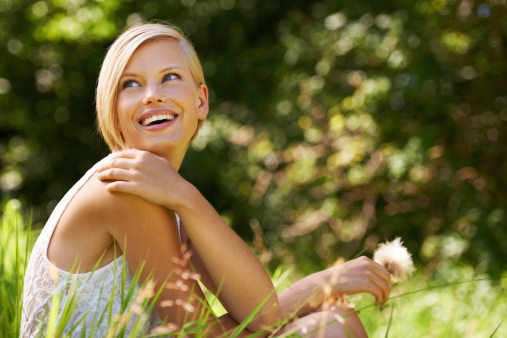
(134, 206)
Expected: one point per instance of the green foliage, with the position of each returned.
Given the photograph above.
(334, 124)
(455, 302)
(14, 253)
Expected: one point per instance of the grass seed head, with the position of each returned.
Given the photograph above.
(395, 258)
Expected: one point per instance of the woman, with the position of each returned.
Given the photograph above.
(151, 101)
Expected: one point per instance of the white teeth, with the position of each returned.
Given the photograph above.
(154, 118)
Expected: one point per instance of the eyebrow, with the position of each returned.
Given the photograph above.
(161, 71)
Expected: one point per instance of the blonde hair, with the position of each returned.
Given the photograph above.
(116, 60)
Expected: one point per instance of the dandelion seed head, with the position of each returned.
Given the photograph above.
(395, 258)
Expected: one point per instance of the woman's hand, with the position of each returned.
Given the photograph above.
(143, 174)
(360, 275)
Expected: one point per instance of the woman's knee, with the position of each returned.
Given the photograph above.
(346, 312)
(327, 323)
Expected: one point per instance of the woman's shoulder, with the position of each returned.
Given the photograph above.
(114, 208)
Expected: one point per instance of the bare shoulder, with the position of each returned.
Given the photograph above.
(95, 219)
(117, 207)
(146, 233)
(92, 220)
(124, 214)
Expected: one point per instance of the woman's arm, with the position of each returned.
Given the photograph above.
(147, 235)
(229, 261)
(353, 277)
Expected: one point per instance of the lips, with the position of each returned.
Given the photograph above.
(157, 118)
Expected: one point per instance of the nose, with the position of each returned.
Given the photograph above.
(153, 94)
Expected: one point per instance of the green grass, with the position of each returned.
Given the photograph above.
(454, 302)
(15, 248)
(451, 302)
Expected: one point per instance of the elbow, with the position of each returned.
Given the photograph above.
(267, 318)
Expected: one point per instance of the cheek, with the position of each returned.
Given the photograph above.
(117, 117)
(122, 113)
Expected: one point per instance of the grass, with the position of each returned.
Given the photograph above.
(451, 302)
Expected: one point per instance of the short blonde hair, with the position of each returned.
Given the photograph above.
(116, 60)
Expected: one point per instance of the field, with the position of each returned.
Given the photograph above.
(452, 301)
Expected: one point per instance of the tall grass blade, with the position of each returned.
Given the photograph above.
(496, 330)
(390, 322)
(363, 250)
(53, 316)
(279, 277)
(251, 316)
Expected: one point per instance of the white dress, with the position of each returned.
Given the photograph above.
(43, 280)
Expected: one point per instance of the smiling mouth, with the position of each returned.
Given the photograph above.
(157, 119)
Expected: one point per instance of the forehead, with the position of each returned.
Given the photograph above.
(157, 53)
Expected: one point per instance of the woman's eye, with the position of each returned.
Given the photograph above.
(170, 77)
(129, 84)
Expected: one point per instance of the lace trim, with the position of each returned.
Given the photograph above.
(43, 280)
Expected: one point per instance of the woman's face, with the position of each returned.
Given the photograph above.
(159, 103)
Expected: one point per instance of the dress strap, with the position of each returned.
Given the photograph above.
(179, 225)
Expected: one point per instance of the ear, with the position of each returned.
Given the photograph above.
(202, 102)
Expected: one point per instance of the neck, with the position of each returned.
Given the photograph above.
(175, 156)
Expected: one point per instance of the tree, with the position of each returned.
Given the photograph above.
(334, 124)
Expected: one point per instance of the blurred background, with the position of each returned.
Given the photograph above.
(334, 125)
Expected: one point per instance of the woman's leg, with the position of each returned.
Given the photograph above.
(329, 320)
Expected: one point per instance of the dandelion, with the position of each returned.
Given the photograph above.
(395, 258)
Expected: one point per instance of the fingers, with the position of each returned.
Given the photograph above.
(386, 280)
(381, 289)
(123, 159)
(379, 284)
(115, 175)
(120, 163)
(127, 153)
(121, 186)
(135, 159)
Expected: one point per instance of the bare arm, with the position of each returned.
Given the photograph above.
(147, 235)
(355, 276)
(229, 261)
